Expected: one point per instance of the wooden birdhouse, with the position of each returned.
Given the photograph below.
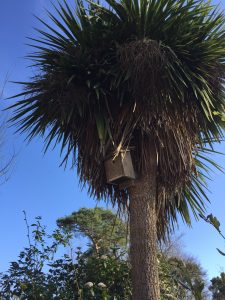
(119, 169)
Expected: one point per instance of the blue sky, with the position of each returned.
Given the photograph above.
(37, 184)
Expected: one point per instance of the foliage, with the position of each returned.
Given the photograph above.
(130, 74)
(40, 274)
(178, 277)
(25, 277)
(113, 272)
(190, 275)
(212, 220)
(96, 278)
(170, 287)
(104, 229)
(217, 287)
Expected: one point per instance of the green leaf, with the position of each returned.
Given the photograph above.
(214, 221)
(220, 252)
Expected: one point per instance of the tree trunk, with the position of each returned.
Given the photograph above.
(143, 235)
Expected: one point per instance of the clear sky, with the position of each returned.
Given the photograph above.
(37, 184)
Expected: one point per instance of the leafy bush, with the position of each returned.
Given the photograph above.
(37, 274)
(40, 274)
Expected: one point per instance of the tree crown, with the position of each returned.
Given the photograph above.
(126, 75)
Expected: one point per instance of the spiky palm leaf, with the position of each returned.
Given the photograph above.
(124, 75)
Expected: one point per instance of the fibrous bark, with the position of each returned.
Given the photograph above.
(143, 235)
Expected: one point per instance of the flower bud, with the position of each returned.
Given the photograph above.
(101, 285)
(89, 285)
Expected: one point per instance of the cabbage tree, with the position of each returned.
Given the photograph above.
(140, 75)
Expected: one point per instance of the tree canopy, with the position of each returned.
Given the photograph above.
(217, 287)
(128, 75)
(104, 229)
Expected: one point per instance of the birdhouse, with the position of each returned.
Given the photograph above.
(119, 169)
